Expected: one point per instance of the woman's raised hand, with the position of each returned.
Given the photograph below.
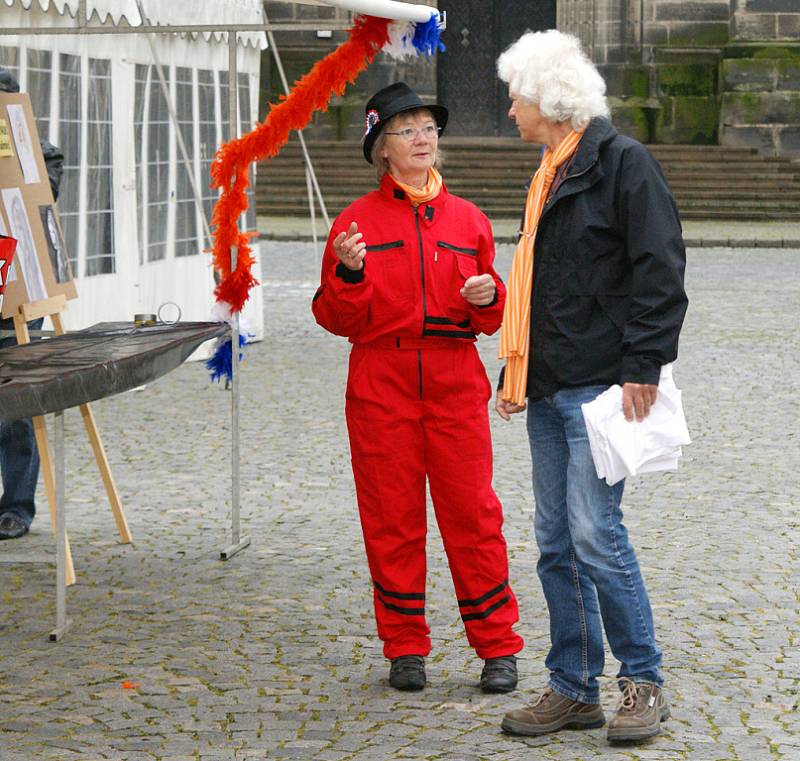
(349, 247)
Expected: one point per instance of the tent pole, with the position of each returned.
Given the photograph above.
(309, 166)
(62, 622)
(313, 211)
(238, 542)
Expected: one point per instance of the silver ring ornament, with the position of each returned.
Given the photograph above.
(169, 322)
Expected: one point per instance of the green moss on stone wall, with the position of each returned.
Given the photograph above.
(711, 34)
(778, 52)
(639, 82)
(688, 79)
(760, 108)
(746, 105)
(781, 51)
(691, 120)
(749, 74)
(635, 117)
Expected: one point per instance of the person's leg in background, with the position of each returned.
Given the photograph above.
(19, 463)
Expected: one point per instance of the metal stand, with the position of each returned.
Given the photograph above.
(238, 542)
(62, 622)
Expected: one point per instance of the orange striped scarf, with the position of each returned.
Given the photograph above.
(428, 193)
(515, 331)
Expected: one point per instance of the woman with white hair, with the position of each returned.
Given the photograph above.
(595, 298)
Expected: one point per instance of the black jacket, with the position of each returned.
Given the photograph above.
(608, 299)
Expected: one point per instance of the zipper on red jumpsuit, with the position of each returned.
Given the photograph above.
(422, 282)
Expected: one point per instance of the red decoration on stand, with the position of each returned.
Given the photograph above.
(229, 172)
(7, 248)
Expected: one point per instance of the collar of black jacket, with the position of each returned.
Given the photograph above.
(585, 169)
(599, 132)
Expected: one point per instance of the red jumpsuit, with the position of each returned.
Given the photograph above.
(417, 405)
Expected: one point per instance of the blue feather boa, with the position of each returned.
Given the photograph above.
(220, 364)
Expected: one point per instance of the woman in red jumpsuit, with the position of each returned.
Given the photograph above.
(407, 277)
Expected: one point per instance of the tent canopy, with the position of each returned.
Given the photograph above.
(125, 12)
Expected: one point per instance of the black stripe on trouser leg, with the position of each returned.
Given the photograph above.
(382, 594)
(399, 609)
(483, 598)
(481, 614)
(486, 613)
(399, 595)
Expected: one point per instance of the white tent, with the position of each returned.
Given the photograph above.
(135, 235)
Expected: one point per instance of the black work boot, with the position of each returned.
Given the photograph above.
(407, 673)
(499, 674)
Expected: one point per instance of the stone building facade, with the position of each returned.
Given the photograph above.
(678, 71)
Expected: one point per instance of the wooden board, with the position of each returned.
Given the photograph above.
(28, 212)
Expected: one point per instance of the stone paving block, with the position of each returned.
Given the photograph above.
(274, 654)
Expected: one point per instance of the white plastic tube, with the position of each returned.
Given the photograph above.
(391, 9)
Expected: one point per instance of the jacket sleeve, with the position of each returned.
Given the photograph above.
(649, 220)
(341, 303)
(486, 319)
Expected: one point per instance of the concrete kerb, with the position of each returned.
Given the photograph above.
(696, 233)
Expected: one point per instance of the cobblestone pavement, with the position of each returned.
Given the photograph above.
(273, 654)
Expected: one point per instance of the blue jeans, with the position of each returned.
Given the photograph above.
(19, 457)
(587, 567)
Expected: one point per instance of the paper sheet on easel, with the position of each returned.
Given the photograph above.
(23, 143)
(6, 148)
(26, 258)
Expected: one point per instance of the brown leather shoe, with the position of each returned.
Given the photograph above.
(640, 712)
(551, 712)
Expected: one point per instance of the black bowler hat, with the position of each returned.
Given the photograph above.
(389, 102)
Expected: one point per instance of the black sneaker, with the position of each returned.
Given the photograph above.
(499, 674)
(407, 673)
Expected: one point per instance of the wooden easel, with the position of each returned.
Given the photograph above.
(52, 308)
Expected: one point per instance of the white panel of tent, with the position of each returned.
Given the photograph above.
(134, 236)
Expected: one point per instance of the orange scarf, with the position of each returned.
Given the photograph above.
(428, 193)
(515, 331)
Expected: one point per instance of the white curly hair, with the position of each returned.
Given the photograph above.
(550, 69)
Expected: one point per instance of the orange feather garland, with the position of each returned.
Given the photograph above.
(229, 172)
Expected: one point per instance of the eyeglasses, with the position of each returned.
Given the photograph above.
(410, 133)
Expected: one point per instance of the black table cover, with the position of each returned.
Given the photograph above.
(100, 361)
